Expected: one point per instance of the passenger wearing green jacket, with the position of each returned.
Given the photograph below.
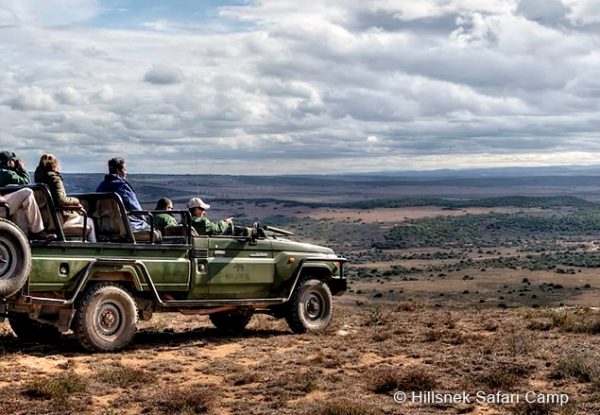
(162, 220)
(12, 169)
(201, 223)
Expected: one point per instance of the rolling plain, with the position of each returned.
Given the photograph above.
(457, 284)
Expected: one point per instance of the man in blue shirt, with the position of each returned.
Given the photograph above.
(116, 182)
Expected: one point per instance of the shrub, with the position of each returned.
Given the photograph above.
(503, 376)
(414, 378)
(583, 366)
(195, 399)
(123, 377)
(58, 388)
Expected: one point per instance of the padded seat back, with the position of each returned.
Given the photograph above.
(146, 236)
(42, 202)
(108, 218)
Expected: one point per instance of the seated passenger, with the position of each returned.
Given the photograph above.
(116, 182)
(162, 220)
(201, 223)
(23, 206)
(48, 173)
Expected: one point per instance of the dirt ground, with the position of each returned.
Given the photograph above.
(181, 365)
(496, 334)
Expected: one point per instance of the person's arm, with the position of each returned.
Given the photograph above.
(215, 228)
(129, 197)
(22, 173)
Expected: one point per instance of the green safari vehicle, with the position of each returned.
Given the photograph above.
(100, 290)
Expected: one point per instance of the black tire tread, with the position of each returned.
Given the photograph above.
(293, 317)
(230, 321)
(79, 323)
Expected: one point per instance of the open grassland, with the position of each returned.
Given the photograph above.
(451, 299)
(180, 365)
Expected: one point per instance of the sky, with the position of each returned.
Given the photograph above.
(285, 87)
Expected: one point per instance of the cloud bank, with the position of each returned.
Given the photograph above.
(327, 87)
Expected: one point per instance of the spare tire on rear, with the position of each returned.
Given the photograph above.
(15, 258)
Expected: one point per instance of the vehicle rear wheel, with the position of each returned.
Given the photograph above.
(231, 321)
(15, 258)
(106, 318)
(28, 330)
(311, 307)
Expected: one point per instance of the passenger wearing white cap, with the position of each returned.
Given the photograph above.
(201, 223)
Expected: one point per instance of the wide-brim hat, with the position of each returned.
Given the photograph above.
(196, 202)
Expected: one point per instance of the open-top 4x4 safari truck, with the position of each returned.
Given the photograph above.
(100, 290)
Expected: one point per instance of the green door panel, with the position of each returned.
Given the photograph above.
(239, 270)
(169, 268)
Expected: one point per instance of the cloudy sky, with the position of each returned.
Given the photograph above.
(281, 86)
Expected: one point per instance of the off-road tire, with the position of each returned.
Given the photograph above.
(15, 258)
(231, 321)
(311, 307)
(106, 318)
(28, 330)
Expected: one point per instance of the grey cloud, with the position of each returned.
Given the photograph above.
(547, 12)
(163, 75)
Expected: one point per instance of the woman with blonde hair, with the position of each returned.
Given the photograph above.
(48, 173)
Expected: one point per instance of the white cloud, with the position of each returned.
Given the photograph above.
(583, 11)
(306, 87)
(69, 96)
(31, 99)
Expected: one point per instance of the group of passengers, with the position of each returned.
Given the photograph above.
(26, 213)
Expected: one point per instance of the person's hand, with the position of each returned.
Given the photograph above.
(20, 164)
(10, 164)
(229, 220)
(2, 199)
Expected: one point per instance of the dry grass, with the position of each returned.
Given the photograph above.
(268, 370)
(343, 407)
(194, 399)
(414, 378)
(583, 366)
(124, 376)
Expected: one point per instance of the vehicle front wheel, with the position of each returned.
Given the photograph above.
(231, 321)
(311, 307)
(106, 318)
(28, 330)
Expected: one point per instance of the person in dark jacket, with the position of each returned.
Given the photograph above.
(162, 220)
(116, 182)
(48, 173)
(12, 169)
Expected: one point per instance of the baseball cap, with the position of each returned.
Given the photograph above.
(7, 156)
(195, 202)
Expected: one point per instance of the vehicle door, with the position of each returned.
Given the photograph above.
(239, 268)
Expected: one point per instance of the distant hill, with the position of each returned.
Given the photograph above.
(360, 191)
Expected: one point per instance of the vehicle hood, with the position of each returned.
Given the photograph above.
(281, 244)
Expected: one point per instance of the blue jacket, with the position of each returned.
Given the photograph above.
(116, 184)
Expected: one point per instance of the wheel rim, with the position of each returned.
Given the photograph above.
(7, 258)
(108, 319)
(313, 306)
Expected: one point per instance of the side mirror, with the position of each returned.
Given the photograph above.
(254, 233)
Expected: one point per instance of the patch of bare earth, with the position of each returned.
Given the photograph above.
(371, 351)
